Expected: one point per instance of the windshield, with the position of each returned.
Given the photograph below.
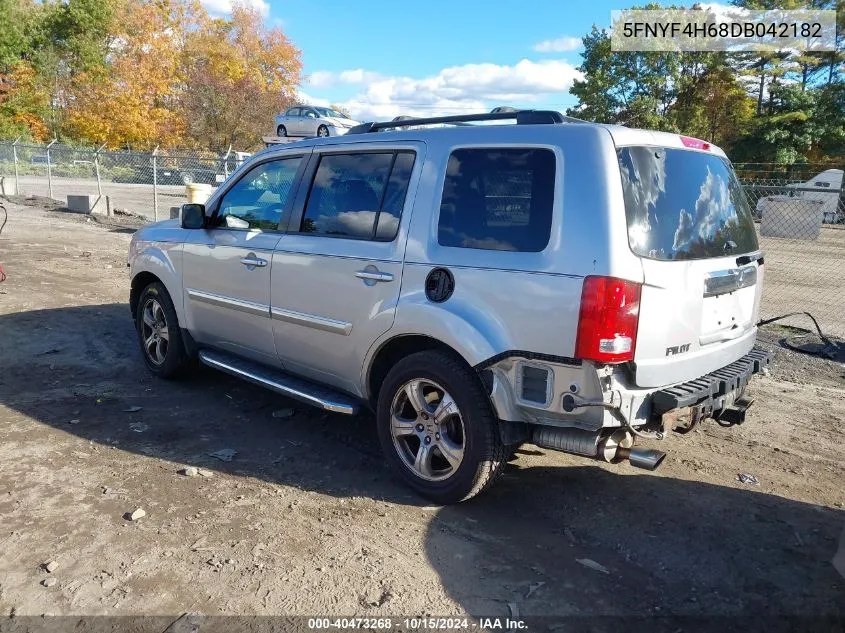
(683, 204)
(331, 113)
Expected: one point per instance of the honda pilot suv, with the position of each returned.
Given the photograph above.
(556, 282)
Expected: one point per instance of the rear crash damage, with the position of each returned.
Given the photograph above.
(594, 411)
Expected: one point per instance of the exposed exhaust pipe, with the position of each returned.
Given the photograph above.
(611, 447)
(645, 458)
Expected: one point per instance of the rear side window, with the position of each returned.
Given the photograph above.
(358, 195)
(683, 204)
(498, 199)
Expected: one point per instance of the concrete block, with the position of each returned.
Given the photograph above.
(86, 204)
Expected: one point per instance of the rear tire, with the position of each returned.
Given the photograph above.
(437, 427)
(323, 131)
(159, 335)
(281, 131)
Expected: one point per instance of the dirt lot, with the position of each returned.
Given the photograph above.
(306, 519)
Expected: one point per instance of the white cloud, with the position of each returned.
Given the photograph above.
(224, 7)
(453, 90)
(328, 79)
(559, 45)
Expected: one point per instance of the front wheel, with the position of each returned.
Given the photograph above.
(437, 427)
(158, 333)
(322, 131)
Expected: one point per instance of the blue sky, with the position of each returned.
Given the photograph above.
(380, 59)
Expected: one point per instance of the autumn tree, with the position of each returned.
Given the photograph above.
(238, 74)
(714, 106)
(134, 100)
(24, 95)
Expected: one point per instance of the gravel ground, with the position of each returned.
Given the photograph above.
(305, 518)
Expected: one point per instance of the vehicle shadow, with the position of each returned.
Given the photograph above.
(579, 541)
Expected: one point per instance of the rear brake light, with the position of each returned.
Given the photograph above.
(607, 323)
(695, 143)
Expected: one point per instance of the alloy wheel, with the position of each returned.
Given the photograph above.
(427, 430)
(154, 331)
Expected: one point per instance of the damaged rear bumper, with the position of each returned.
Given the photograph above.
(712, 392)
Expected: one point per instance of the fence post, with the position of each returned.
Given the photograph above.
(155, 183)
(226, 163)
(15, 159)
(50, 171)
(97, 171)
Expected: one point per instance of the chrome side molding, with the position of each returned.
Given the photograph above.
(312, 320)
(220, 301)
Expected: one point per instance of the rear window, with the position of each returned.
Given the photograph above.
(683, 204)
(498, 199)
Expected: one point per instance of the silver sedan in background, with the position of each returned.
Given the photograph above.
(312, 121)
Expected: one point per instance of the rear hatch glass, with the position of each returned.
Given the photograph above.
(689, 223)
(684, 204)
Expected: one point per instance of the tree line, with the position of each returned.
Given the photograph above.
(783, 107)
(141, 73)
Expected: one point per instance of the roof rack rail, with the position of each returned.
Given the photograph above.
(523, 117)
(283, 140)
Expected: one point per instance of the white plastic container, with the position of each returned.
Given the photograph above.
(198, 193)
(795, 218)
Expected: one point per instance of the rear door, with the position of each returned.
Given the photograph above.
(294, 122)
(689, 222)
(337, 273)
(310, 122)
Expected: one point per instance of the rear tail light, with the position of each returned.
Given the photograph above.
(695, 143)
(607, 323)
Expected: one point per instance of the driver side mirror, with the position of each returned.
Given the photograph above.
(193, 216)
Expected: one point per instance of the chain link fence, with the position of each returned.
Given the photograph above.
(142, 183)
(800, 216)
(799, 210)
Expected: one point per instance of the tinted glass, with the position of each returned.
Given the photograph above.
(394, 197)
(293, 112)
(684, 204)
(346, 194)
(498, 199)
(260, 196)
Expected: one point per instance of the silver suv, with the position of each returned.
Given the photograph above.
(572, 285)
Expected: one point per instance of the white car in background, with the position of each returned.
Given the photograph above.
(303, 120)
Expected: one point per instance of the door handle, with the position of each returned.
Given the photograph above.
(374, 275)
(254, 262)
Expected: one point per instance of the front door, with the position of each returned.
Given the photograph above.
(337, 273)
(226, 267)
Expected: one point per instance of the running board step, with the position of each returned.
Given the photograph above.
(280, 382)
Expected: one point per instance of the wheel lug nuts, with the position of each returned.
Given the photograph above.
(428, 439)
(420, 427)
(437, 436)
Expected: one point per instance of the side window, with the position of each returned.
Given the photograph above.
(358, 195)
(293, 112)
(258, 199)
(394, 198)
(498, 199)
